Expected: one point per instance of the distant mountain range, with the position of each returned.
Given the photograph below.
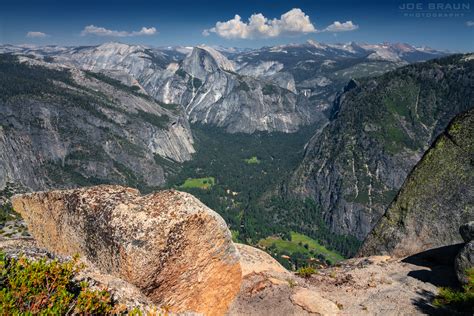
(242, 90)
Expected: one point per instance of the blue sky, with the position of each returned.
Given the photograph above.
(182, 22)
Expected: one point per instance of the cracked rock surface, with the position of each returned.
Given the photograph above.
(175, 250)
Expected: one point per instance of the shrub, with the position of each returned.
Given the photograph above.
(459, 300)
(291, 283)
(306, 272)
(47, 287)
(6, 212)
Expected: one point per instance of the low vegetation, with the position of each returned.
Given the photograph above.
(461, 301)
(299, 250)
(48, 288)
(169, 106)
(269, 89)
(242, 86)
(6, 213)
(306, 272)
(21, 79)
(199, 183)
(115, 83)
(159, 121)
(252, 160)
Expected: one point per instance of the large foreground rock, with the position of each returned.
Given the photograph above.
(177, 251)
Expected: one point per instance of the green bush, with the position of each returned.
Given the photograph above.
(306, 272)
(459, 300)
(6, 212)
(47, 288)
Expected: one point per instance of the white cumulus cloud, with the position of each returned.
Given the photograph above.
(36, 34)
(341, 27)
(470, 23)
(102, 31)
(294, 21)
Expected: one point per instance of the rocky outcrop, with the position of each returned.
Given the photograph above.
(355, 166)
(253, 260)
(269, 289)
(62, 127)
(167, 251)
(467, 231)
(464, 261)
(377, 285)
(465, 258)
(434, 201)
(169, 245)
(314, 303)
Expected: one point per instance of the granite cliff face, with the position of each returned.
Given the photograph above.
(379, 130)
(178, 252)
(238, 103)
(436, 198)
(63, 127)
(204, 83)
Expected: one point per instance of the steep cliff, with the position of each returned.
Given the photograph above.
(279, 88)
(62, 127)
(236, 102)
(436, 198)
(379, 129)
(204, 83)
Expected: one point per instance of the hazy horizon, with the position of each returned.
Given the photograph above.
(233, 47)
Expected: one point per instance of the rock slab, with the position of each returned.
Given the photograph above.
(177, 251)
(312, 302)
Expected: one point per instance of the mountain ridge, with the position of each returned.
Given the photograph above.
(64, 126)
(313, 72)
